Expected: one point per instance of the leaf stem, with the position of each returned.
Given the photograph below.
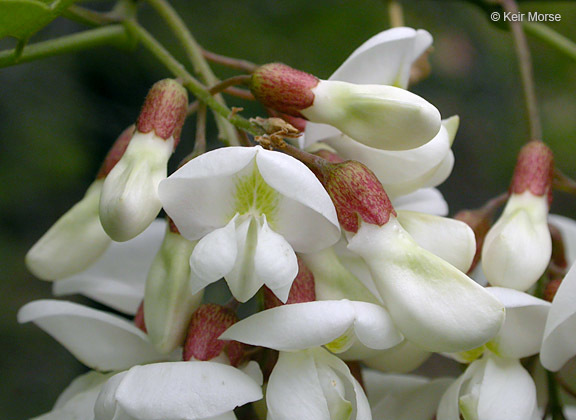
(194, 54)
(525, 64)
(115, 35)
(233, 63)
(189, 81)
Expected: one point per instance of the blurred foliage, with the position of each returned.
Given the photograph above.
(59, 116)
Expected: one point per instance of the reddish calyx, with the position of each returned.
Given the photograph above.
(302, 290)
(283, 88)
(534, 170)
(164, 110)
(207, 324)
(116, 152)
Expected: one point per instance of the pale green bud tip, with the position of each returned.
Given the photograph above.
(356, 193)
(283, 88)
(164, 110)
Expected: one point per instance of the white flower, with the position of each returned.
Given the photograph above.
(432, 303)
(492, 388)
(314, 384)
(403, 397)
(517, 248)
(250, 209)
(177, 390)
(73, 243)
(129, 201)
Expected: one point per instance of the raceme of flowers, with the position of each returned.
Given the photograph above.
(343, 242)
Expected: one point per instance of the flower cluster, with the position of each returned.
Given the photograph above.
(345, 244)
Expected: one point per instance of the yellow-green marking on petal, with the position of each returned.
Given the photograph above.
(253, 195)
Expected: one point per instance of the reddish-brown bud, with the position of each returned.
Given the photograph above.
(480, 223)
(303, 289)
(534, 170)
(296, 122)
(356, 193)
(164, 110)
(116, 152)
(207, 324)
(139, 318)
(558, 260)
(172, 226)
(283, 88)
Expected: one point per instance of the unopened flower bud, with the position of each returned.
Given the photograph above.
(518, 247)
(379, 116)
(207, 324)
(169, 300)
(551, 289)
(302, 290)
(356, 194)
(129, 201)
(73, 243)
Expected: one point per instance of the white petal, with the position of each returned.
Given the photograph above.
(567, 227)
(395, 167)
(275, 262)
(385, 59)
(77, 400)
(378, 116)
(129, 200)
(184, 390)
(241, 279)
(523, 328)
(432, 303)
(405, 357)
(214, 256)
(118, 278)
(507, 392)
(73, 243)
(294, 390)
(106, 407)
(416, 400)
(425, 200)
(450, 239)
(559, 343)
(374, 327)
(306, 216)
(99, 340)
(199, 197)
(517, 248)
(294, 327)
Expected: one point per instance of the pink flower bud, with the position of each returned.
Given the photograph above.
(164, 110)
(329, 156)
(534, 170)
(283, 88)
(207, 324)
(302, 290)
(116, 152)
(356, 193)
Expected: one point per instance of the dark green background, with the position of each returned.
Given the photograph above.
(59, 116)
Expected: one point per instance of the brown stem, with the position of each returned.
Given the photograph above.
(242, 79)
(240, 93)
(233, 63)
(305, 157)
(526, 72)
(565, 386)
(492, 205)
(244, 140)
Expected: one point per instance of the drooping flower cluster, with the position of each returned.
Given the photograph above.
(351, 259)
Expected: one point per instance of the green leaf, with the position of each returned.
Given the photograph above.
(23, 18)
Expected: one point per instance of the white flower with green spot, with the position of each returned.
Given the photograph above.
(249, 209)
